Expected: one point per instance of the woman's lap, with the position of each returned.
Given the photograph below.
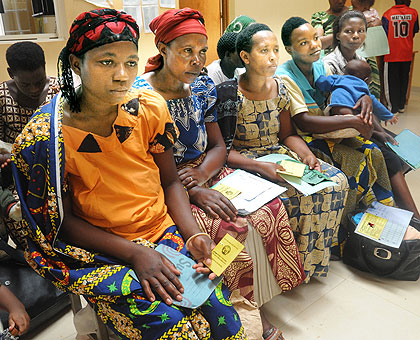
(364, 166)
(315, 220)
(132, 316)
(271, 223)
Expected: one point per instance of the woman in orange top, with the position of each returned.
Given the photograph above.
(116, 195)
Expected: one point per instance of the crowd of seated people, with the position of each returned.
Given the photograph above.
(108, 169)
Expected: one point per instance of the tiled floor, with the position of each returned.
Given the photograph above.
(346, 305)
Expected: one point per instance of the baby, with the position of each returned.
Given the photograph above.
(347, 89)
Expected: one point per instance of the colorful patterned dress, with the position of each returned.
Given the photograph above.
(40, 171)
(360, 159)
(13, 119)
(190, 115)
(251, 128)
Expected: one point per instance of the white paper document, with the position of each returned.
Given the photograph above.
(395, 222)
(167, 3)
(149, 13)
(135, 12)
(305, 188)
(102, 3)
(376, 43)
(131, 3)
(150, 2)
(254, 191)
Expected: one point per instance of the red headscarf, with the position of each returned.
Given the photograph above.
(172, 24)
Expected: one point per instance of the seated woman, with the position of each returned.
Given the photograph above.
(28, 88)
(200, 154)
(358, 158)
(95, 172)
(349, 34)
(255, 121)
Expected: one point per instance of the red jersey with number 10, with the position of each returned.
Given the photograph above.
(401, 24)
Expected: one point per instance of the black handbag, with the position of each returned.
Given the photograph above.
(374, 257)
(40, 297)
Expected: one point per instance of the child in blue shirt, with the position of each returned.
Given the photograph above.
(347, 89)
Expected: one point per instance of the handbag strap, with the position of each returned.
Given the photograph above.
(12, 252)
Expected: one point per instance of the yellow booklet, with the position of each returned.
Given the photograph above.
(227, 191)
(292, 168)
(372, 226)
(224, 253)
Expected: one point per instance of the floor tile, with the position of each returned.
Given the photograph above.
(350, 312)
(289, 304)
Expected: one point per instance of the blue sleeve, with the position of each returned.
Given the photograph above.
(385, 25)
(205, 91)
(324, 83)
(416, 26)
(380, 110)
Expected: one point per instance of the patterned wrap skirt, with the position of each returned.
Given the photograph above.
(271, 223)
(314, 219)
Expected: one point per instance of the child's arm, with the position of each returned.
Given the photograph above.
(392, 121)
(18, 318)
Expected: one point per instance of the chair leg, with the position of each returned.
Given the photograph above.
(102, 333)
(76, 304)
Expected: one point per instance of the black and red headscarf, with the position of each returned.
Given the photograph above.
(89, 30)
(172, 24)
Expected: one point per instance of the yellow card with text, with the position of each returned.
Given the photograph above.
(224, 253)
(372, 225)
(227, 191)
(292, 168)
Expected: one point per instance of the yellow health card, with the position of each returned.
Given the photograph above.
(227, 191)
(372, 226)
(224, 253)
(292, 168)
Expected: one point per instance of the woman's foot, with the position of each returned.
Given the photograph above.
(270, 332)
(273, 334)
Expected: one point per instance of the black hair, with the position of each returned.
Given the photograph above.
(339, 23)
(289, 26)
(226, 44)
(244, 39)
(26, 56)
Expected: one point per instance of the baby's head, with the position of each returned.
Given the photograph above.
(360, 69)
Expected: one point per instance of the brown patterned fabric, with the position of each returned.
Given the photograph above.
(272, 223)
(13, 119)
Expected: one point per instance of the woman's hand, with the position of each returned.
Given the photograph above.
(374, 22)
(191, 177)
(365, 130)
(200, 248)
(269, 171)
(312, 162)
(213, 203)
(365, 104)
(155, 272)
(18, 320)
(385, 137)
(5, 159)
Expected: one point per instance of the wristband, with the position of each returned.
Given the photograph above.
(187, 244)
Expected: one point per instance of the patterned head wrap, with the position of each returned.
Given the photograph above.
(89, 30)
(239, 23)
(172, 24)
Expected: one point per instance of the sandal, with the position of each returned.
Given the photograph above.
(273, 334)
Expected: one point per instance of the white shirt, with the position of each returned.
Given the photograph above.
(216, 74)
